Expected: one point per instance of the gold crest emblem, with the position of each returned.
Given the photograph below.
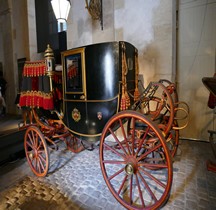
(99, 115)
(76, 115)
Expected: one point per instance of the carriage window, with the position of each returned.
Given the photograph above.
(73, 67)
(74, 72)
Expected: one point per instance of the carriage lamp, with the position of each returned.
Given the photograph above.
(61, 9)
(50, 64)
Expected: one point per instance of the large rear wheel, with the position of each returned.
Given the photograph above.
(135, 161)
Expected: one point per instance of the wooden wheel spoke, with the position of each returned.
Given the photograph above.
(142, 141)
(117, 140)
(131, 189)
(152, 177)
(38, 165)
(33, 137)
(40, 158)
(133, 134)
(39, 146)
(36, 140)
(140, 191)
(158, 166)
(116, 174)
(168, 108)
(30, 138)
(147, 187)
(114, 162)
(149, 151)
(122, 184)
(34, 162)
(158, 105)
(30, 145)
(124, 135)
(113, 150)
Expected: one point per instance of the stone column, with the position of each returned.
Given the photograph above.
(9, 62)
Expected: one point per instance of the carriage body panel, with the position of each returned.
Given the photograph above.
(92, 77)
(88, 120)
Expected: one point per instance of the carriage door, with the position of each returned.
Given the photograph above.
(74, 88)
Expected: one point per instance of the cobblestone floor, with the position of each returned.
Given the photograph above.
(75, 182)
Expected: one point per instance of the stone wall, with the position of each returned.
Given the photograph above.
(148, 25)
(196, 59)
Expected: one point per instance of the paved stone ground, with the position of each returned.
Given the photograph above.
(75, 182)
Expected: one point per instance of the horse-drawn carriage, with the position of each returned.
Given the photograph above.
(100, 104)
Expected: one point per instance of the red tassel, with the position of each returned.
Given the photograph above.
(123, 103)
(127, 100)
(136, 94)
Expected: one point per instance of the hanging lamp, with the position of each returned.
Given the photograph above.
(61, 9)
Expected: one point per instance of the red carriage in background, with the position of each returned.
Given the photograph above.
(138, 133)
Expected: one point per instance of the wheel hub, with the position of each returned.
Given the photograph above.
(31, 155)
(129, 169)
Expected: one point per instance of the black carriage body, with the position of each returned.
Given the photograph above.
(92, 86)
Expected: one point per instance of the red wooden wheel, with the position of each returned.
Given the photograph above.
(172, 139)
(174, 142)
(161, 109)
(171, 88)
(159, 106)
(173, 136)
(74, 144)
(129, 169)
(36, 151)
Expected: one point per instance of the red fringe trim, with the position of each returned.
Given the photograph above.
(36, 99)
(34, 68)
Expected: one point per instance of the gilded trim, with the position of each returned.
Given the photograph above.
(92, 135)
(74, 132)
(91, 101)
(86, 135)
(74, 52)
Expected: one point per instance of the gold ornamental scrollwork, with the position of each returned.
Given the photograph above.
(94, 8)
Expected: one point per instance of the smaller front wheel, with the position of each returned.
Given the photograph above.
(36, 151)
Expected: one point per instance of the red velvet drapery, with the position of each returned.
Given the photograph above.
(35, 90)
